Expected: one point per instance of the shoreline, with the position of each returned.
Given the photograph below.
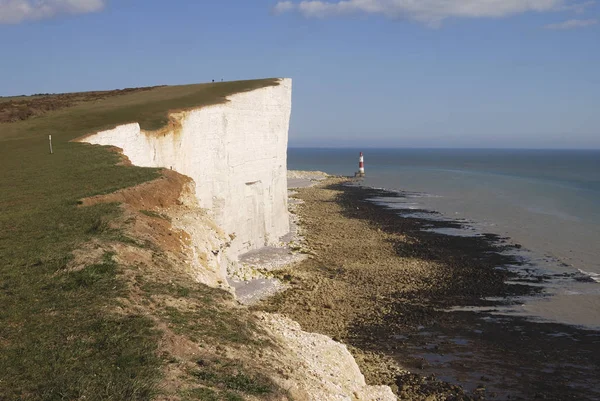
(381, 285)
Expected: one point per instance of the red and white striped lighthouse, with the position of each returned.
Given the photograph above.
(361, 164)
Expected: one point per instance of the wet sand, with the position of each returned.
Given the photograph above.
(379, 283)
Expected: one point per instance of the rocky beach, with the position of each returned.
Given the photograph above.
(379, 283)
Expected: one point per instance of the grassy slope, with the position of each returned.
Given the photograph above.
(56, 341)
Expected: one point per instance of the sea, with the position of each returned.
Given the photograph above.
(548, 201)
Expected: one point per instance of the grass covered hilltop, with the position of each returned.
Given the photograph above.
(97, 332)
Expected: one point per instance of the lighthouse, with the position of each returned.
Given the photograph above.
(361, 166)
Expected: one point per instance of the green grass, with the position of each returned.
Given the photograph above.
(54, 350)
(229, 379)
(149, 108)
(211, 322)
(57, 337)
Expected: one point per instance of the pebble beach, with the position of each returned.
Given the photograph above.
(398, 297)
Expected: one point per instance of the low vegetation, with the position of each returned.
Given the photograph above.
(24, 107)
(59, 335)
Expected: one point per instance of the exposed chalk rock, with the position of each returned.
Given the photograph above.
(235, 152)
(316, 368)
(207, 242)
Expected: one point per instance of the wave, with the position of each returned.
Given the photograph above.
(593, 276)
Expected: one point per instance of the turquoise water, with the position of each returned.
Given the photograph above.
(546, 200)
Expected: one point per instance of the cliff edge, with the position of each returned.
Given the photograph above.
(230, 196)
(235, 152)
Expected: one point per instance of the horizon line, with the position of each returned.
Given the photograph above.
(435, 148)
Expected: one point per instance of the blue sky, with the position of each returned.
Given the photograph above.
(434, 73)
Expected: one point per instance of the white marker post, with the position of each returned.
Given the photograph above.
(50, 140)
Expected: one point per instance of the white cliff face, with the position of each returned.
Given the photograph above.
(235, 152)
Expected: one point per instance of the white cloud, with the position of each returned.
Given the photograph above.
(572, 24)
(578, 8)
(15, 11)
(431, 12)
(284, 6)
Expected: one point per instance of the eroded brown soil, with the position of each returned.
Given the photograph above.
(378, 283)
(210, 347)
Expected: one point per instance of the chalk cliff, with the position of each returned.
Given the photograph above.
(236, 155)
(235, 152)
